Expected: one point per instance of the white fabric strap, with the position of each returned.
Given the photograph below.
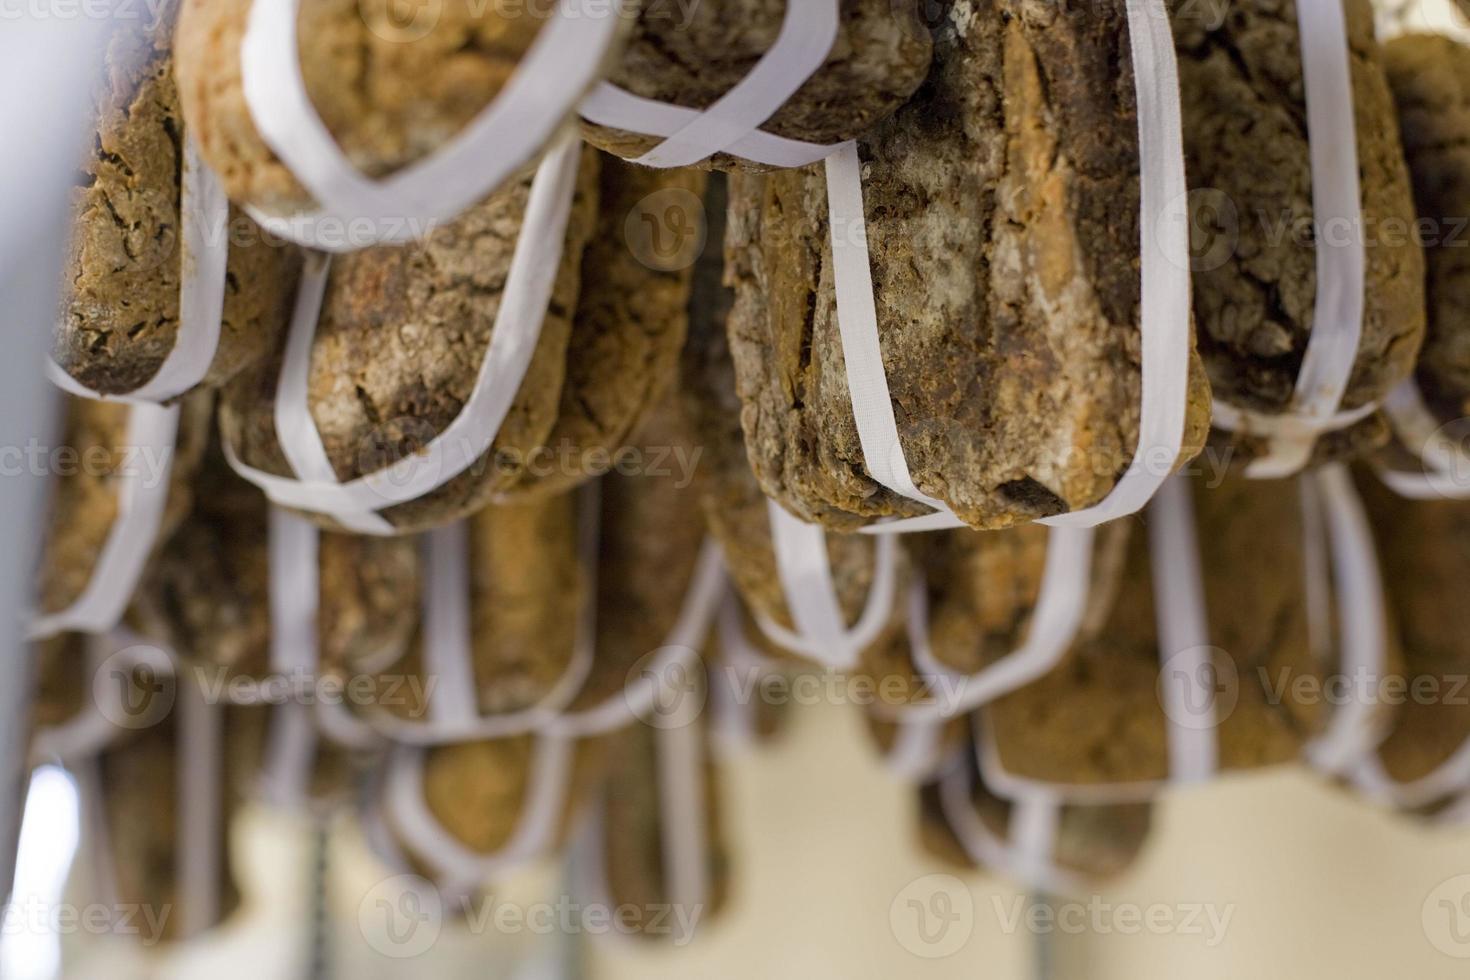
(448, 648)
(741, 667)
(1033, 824)
(1183, 634)
(200, 749)
(1066, 583)
(1164, 314)
(618, 108)
(513, 341)
(805, 571)
(1446, 473)
(142, 498)
(449, 859)
(731, 123)
(683, 817)
(204, 216)
(560, 66)
(1356, 727)
(917, 749)
(1337, 316)
(100, 856)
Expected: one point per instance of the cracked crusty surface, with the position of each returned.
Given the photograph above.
(1430, 77)
(120, 312)
(84, 500)
(1247, 157)
(1002, 212)
(398, 348)
(629, 327)
(527, 589)
(692, 55)
(1424, 550)
(389, 93)
(1097, 718)
(207, 593)
(633, 831)
(735, 509)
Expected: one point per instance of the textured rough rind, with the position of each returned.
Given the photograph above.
(207, 593)
(1002, 212)
(691, 56)
(630, 324)
(1430, 77)
(389, 93)
(402, 334)
(84, 492)
(1424, 550)
(1097, 717)
(120, 313)
(735, 509)
(1247, 155)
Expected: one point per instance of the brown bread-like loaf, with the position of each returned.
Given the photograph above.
(631, 320)
(735, 509)
(1010, 337)
(120, 313)
(633, 839)
(84, 498)
(402, 334)
(1430, 78)
(1097, 842)
(139, 783)
(692, 56)
(1424, 547)
(389, 93)
(527, 591)
(207, 593)
(1097, 717)
(1247, 156)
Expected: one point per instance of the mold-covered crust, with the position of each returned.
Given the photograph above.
(1247, 157)
(691, 57)
(402, 334)
(1002, 223)
(120, 312)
